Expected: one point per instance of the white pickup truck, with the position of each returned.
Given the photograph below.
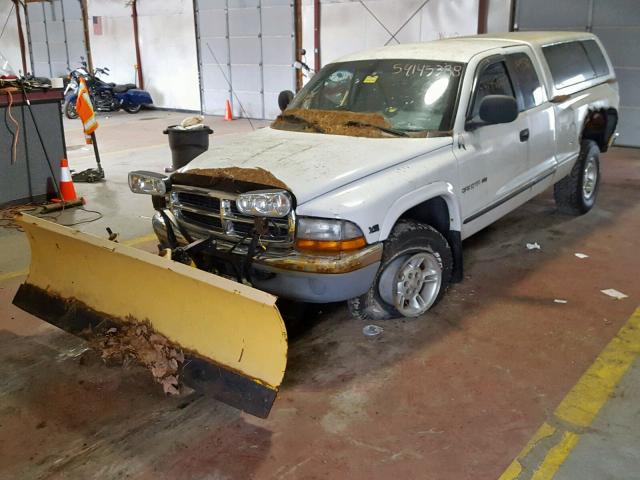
(366, 185)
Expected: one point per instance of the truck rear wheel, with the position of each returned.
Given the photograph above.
(414, 273)
(576, 193)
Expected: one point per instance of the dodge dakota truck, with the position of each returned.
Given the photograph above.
(366, 185)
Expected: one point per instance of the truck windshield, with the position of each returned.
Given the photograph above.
(377, 98)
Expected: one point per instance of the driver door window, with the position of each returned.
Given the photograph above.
(493, 80)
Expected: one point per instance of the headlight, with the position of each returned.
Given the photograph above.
(265, 203)
(328, 235)
(150, 183)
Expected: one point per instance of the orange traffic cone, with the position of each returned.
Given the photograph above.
(228, 115)
(67, 190)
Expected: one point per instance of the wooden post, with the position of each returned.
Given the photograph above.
(87, 37)
(483, 11)
(23, 52)
(297, 13)
(134, 16)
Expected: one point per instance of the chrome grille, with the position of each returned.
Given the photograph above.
(209, 212)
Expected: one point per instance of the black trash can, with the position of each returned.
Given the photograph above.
(186, 144)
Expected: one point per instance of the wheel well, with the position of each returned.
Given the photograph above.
(435, 212)
(599, 126)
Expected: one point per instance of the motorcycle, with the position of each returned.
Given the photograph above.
(105, 97)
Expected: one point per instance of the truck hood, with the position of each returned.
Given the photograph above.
(312, 164)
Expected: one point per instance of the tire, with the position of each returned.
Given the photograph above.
(408, 242)
(132, 110)
(576, 193)
(70, 110)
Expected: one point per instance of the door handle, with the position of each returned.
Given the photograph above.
(524, 135)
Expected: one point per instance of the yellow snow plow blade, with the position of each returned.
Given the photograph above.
(232, 335)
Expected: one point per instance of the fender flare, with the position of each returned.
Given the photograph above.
(419, 195)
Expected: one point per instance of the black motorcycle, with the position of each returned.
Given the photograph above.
(105, 97)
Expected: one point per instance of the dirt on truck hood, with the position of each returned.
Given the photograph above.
(307, 164)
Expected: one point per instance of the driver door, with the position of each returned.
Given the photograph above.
(492, 159)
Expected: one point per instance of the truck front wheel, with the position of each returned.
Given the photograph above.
(414, 273)
(576, 193)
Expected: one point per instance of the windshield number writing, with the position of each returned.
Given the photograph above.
(426, 69)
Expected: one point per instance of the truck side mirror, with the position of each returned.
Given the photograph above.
(284, 99)
(496, 109)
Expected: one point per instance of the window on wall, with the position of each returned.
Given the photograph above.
(575, 62)
(493, 80)
(525, 76)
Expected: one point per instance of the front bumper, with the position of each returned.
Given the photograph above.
(303, 277)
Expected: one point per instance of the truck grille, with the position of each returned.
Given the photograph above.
(208, 212)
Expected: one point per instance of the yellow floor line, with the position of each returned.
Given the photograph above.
(515, 468)
(556, 457)
(580, 406)
(131, 242)
(138, 240)
(584, 401)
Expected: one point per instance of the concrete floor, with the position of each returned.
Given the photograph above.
(609, 450)
(453, 395)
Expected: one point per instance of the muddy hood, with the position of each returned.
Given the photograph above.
(312, 164)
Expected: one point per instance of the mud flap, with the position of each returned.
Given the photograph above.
(233, 335)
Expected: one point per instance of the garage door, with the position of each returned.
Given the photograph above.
(617, 23)
(56, 36)
(246, 53)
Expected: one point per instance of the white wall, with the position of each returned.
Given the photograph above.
(169, 55)
(347, 27)
(167, 48)
(307, 30)
(498, 16)
(115, 48)
(9, 43)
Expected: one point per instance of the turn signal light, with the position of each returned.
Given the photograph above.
(331, 245)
